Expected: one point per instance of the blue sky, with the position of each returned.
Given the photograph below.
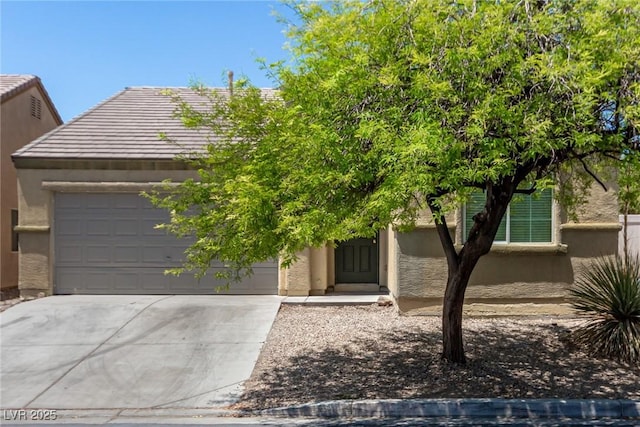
(86, 51)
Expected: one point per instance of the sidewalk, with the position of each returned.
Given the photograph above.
(340, 299)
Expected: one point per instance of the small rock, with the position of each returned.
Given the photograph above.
(384, 301)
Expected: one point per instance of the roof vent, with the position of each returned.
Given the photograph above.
(36, 107)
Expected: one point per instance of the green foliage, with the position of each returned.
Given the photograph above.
(629, 183)
(608, 294)
(388, 107)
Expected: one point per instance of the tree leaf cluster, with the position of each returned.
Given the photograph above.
(387, 107)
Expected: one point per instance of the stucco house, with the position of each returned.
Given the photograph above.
(85, 228)
(27, 113)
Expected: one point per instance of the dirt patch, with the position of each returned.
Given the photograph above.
(324, 353)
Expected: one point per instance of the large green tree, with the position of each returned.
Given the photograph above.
(389, 107)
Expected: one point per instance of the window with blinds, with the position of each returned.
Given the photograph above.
(527, 220)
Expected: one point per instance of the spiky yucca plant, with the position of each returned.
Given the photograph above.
(608, 294)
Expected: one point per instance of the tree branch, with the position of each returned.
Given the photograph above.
(527, 191)
(593, 175)
(453, 260)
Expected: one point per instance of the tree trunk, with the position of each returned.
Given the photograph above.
(453, 347)
(461, 264)
(452, 343)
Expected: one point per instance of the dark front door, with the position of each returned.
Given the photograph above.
(357, 261)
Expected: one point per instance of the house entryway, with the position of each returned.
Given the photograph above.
(356, 263)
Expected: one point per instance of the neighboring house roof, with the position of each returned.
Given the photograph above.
(126, 126)
(14, 84)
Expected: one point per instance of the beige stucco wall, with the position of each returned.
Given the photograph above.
(297, 278)
(36, 188)
(514, 273)
(412, 264)
(601, 206)
(18, 128)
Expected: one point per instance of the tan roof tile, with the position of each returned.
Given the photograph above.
(126, 126)
(14, 83)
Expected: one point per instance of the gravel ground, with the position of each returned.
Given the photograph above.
(7, 304)
(324, 353)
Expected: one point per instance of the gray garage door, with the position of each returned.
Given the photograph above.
(108, 244)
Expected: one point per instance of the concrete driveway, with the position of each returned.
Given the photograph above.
(107, 352)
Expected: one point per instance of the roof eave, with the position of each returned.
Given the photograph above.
(33, 162)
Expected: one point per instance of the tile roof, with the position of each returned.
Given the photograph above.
(126, 126)
(13, 84)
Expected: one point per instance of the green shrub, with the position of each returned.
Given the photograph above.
(608, 294)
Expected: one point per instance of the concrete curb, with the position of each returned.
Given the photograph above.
(463, 408)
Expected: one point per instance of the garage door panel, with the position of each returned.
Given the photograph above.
(66, 227)
(126, 227)
(66, 201)
(125, 204)
(261, 278)
(126, 254)
(175, 254)
(94, 201)
(154, 255)
(69, 254)
(98, 255)
(154, 280)
(149, 227)
(86, 282)
(98, 227)
(69, 278)
(96, 281)
(109, 243)
(183, 283)
(123, 280)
